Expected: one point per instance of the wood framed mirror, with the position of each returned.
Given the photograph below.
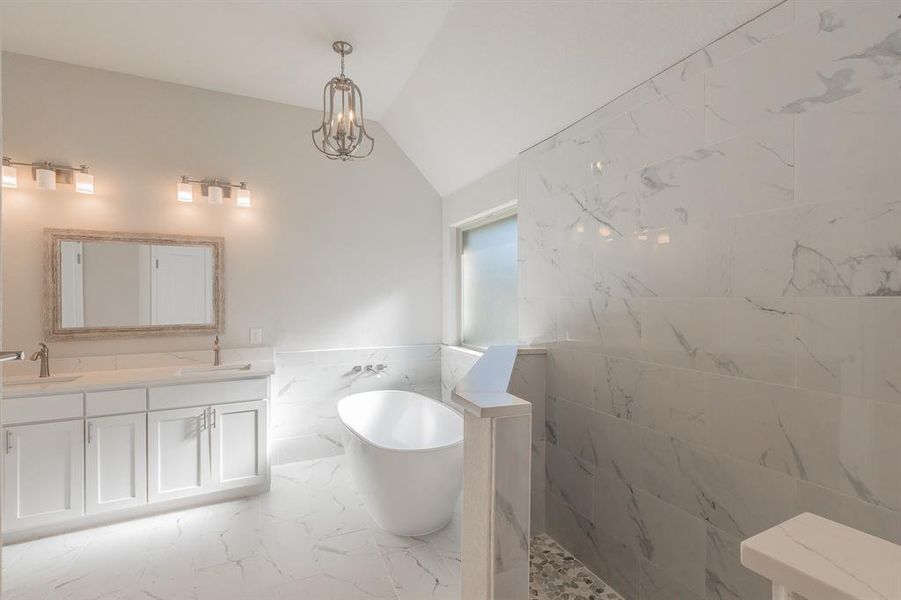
(100, 284)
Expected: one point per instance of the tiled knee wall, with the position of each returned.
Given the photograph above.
(528, 381)
(714, 260)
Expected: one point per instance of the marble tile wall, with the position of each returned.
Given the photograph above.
(308, 385)
(715, 262)
(529, 382)
(512, 509)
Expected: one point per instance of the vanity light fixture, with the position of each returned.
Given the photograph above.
(243, 196)
(342, 135)
(84, 181)
(214, 189)
(10, 174)
(185, 190)
(47, 174)
(45, 177)
(214, 193)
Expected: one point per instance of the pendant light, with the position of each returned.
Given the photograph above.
(342, 135)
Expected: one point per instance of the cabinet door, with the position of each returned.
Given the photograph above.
(116, 470)
(238, 438)
(44, 480)
(178, 447)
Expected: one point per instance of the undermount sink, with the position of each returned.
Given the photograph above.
(30, 380)
(213, 368)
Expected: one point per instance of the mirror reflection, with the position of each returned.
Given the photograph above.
(120, 284)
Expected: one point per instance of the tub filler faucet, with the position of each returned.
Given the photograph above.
(44, 356)
(376, 370)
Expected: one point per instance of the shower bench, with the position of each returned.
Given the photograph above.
(809, 557)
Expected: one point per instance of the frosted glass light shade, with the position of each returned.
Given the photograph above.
(10, 176)
(46, 179)
(243, 198)
(214, 192)
(185, 192)
(84, 183)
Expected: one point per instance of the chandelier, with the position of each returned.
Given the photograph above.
(342, 134)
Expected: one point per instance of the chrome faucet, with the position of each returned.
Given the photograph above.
(44, 355)
(217, 360)
(376, 370)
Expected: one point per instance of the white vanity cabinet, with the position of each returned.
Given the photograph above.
(238, 444)
(88, 457)
(115, 462)
(43, 474)
(178, 453)
(200, 450)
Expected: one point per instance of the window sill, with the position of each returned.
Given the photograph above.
(472, 351)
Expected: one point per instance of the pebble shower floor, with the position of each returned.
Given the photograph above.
(556, 575)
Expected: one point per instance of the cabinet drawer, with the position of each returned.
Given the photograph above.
(116, 402)
(42, 408)
(200, 394)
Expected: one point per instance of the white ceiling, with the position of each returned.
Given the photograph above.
(462, 87)
(270, 49)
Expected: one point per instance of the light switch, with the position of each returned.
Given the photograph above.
(256, 335)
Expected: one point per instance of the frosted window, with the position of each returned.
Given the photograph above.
(488, 284)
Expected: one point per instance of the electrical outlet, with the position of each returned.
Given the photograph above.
(256, 335)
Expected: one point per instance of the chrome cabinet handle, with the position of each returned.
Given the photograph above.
(203, 420)
(213, 418)
(6, 355)
(9, 441)
(90, 427)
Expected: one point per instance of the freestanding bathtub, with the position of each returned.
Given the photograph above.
(405, 452)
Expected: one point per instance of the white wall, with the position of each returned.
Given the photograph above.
(2, 338)
(331, 254)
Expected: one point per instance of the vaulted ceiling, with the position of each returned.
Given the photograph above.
(461, 86)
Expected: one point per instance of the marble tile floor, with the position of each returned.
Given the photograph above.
(556, 575)
(309, 538)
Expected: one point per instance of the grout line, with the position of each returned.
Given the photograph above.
(659, 73)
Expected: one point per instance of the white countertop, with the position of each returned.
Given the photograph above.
(93, 381)
(482, 391)
(823, 560)
(492, 404)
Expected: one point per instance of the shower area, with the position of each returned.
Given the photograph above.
(711, 261)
